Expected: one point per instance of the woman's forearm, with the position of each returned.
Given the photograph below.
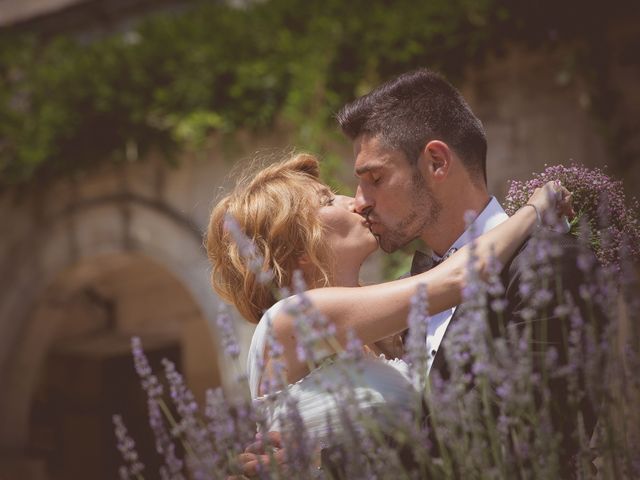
(502, 242)
(377, 311)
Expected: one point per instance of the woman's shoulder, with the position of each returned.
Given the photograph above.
(255, 358)
(271, 314)
(266, 321)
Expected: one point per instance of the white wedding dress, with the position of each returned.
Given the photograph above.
(380, 388)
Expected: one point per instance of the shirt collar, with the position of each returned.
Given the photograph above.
(492, 216)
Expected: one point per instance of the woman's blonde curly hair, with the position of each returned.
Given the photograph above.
(276, 207)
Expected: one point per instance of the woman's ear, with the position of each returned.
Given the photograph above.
(303, 260)
(307, 268)
(436, 159)
(304, 265)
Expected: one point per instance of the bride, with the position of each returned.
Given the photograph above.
(297, 223)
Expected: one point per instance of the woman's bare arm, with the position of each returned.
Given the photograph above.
(377, 311)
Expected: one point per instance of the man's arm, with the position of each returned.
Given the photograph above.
(551, 326)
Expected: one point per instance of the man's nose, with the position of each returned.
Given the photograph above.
(362, 203)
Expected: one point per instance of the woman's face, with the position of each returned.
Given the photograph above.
(346, 231)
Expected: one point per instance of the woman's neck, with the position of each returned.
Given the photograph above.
(347, 276)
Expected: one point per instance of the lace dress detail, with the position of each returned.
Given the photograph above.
(378, 387)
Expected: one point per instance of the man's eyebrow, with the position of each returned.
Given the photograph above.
(367, 168)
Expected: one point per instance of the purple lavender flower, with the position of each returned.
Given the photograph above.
(164, 444)
(173, 466)
(247, 250)
(275, 352)
(227, 332)
(230, 424)
(354, 349)
(596, 197)
(315, 334)
(416, 353)
(296, 440)
(149, 381)
(127, 447)
(189, 427)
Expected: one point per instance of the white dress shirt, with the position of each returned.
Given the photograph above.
(492, 215)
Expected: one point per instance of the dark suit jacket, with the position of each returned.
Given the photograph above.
(549, 329)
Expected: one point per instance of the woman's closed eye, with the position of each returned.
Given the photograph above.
(327, 199)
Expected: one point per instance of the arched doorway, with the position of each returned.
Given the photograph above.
(74, 369)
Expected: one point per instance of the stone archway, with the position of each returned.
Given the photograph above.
(123, 255)
(98, 305)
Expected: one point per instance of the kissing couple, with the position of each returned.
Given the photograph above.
(420, 161)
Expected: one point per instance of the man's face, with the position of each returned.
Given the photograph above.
(392, 194)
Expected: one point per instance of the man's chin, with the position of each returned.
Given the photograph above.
(389, 246)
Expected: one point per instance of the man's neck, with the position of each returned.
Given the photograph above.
(451, 223)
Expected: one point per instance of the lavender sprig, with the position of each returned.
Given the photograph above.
(416, 353)
(189, 425)
(247, 250)
(225, 324)
(133, 466)
(316, 336)
(172, 467)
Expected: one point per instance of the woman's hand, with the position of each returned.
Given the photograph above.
(259, 455)
(552, 197)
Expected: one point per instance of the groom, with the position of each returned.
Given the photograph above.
(420, 160)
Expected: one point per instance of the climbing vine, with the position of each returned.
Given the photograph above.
(167, 83)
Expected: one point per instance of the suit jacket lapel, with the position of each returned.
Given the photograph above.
(439, 362)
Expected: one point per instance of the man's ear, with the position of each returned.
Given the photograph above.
(436, 158)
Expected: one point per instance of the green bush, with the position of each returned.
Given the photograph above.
(68, 103)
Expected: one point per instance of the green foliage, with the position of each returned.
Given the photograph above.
(66, 104)
(398, 263)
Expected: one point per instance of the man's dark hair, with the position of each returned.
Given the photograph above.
(409, 111)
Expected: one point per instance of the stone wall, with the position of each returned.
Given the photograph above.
(536, 112)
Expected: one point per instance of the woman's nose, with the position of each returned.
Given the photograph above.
(345, 202)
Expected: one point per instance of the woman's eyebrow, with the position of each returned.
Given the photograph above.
(325, 192)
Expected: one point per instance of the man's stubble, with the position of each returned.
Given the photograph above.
(424, 213)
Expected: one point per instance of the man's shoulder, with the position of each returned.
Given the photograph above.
(559, 245)
(549, 239)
